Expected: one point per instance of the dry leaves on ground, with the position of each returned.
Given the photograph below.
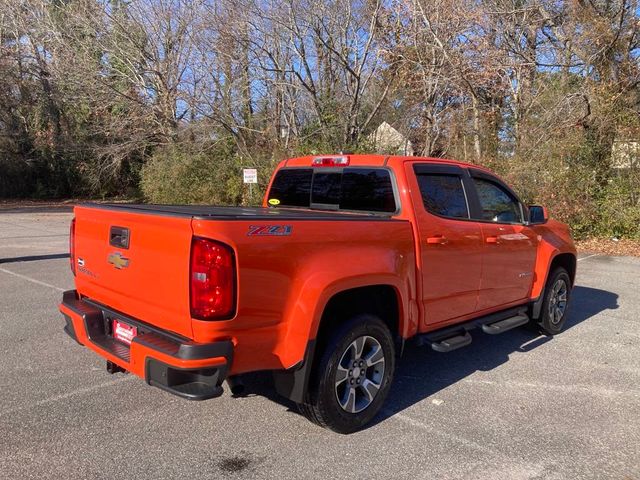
(610, 246)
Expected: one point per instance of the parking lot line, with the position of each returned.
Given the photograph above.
(568, 388)
(17, 225)
(63, 396)
(589, 256)
(403, 417)
(32, 280)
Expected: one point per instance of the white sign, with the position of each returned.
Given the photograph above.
(250, 175)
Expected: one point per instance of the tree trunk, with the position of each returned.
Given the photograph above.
(477, 153)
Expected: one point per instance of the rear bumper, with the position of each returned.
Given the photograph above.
(190, 370)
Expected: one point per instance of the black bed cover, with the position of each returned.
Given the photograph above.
(207, 212)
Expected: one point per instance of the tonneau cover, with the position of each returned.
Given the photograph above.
(236, 213)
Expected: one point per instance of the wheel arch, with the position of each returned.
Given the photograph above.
(566, 260)
(383, 300)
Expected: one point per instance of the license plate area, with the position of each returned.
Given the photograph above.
(123, 332)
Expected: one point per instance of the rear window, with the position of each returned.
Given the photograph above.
(293, 188)
(443, 195)
(359, 189)
(326, 188)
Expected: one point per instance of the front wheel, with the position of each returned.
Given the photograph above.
(557, 292)
(352, 377)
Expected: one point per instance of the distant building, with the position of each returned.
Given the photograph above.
(389, 140)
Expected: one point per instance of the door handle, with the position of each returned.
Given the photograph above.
(437, 240)
(492, 239)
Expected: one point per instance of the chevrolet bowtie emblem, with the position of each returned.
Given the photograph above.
(117, 260)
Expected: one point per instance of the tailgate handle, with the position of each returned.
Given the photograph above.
(119, 237)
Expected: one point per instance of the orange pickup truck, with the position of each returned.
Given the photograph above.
(349, 257)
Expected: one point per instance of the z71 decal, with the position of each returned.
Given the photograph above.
(276, 230)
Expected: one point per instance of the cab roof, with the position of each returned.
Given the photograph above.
(374, 160)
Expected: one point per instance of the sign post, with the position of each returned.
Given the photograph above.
(250, 176)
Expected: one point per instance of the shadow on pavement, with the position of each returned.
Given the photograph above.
(587, 302)
(36, 209)
(422, 372)
(34, 258)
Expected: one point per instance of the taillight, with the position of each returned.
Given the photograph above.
(330, 162)
(72, 245)
(212, 282)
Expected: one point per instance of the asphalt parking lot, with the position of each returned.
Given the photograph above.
(515, 406)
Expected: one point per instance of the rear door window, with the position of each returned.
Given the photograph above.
(443, 194)
(356, 189)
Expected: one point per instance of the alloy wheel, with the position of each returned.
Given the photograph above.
(359, 374)
(558, 301)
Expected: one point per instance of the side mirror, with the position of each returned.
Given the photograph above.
(537, 215)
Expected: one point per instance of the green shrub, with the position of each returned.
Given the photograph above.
(573, 193)
(620, 207)
(213, 176)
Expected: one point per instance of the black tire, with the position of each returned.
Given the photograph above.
(549, 322)
(322, 405)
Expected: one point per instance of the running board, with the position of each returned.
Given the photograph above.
(446, 341)
(505, 325)
(457, 336)
(452, 343)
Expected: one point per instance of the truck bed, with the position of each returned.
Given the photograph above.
(207, 212)
(148, 279)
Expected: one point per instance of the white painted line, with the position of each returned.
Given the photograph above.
(584, 258)
(568, 388)
(57, 398)
(32, 280)
(15, 225)
(449, 436)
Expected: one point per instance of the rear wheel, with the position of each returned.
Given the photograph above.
(352, 377)
(557, 292)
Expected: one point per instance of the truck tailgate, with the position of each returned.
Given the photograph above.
(148, 279)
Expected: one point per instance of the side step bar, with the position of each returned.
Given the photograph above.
(457, 336)
(452, 343)
(505, 325)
